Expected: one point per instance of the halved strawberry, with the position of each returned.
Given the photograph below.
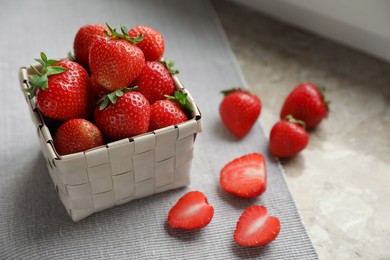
(256, 228)
(245, 176)
(192, 211)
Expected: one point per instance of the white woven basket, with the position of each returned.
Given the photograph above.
(121, 171)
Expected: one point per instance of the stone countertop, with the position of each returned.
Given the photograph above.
(340, 181)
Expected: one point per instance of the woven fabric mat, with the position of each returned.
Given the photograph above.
(33, 222)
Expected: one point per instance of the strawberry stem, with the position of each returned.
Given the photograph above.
(169, 64)
(291, 119)
(40, 78)
(229, 91)
(113, 34)
(322, 91)
(181, 99)
(113, 97)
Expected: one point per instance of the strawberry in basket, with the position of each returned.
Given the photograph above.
(170, 111)
(115, 61)
(156, 81)
(152, 44)
(122, 113)
(61, 89)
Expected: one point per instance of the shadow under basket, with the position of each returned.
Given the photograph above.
(121, 171)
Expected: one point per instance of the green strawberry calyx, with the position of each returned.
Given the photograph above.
(169, 64)
(40, 78)
(229, 91)
(291, 119)
(113, 97)
(113, 34)
(322, 91)
(181, 99)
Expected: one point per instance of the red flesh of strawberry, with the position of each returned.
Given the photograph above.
(245, 176)
(256, 228)
(192, 211)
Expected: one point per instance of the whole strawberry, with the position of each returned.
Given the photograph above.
(77, 135)
(239, 111)
(83, 41)
(288, 137)
(169, 112)
(123, 113)
(61, 89)
(155, 80)
(115, 61)
(307, 103)
(153, 43)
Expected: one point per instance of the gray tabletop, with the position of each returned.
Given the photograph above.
(33, 222)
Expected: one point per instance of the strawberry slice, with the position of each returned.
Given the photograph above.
(256, 228)
(192, 211)
(245, 176)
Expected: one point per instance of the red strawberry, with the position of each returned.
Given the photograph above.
(61, 88)
(155, 81)
(192, 211)
(239, 111)
(97, 91)
(256, 228)
(152, 44)
(83, 41)
(169, 112)
(115, 61)
(245, 176)
(307, 103)
(288, 137)
(77, 135)
(127, 115)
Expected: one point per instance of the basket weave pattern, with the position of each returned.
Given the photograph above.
(131, 168)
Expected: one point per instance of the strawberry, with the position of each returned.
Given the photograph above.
(122, 113)
(77, 135)
(169, 112)
(83, 41)
(256, 228)
(192, 211)
(61, 89)
(239, 111)
(115, 61)
(155, 80)
(97, 91)
(153, 43)
(288, 137)
(307, 103)
(245, 176)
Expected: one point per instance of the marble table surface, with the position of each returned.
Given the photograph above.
(340, 181)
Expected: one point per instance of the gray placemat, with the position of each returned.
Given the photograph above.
(33, 222)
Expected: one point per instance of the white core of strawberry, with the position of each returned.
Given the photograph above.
(256, 225)
(253, 172)
(191, 210)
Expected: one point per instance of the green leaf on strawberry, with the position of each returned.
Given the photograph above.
(169, 64)
(40, 78)
(181, 98)
(113, 97)
(112, 33)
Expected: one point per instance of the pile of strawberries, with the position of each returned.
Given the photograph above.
(117, 86)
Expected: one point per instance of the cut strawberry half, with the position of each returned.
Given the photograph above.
(256, 228)
(192, 211)
(245, 176)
